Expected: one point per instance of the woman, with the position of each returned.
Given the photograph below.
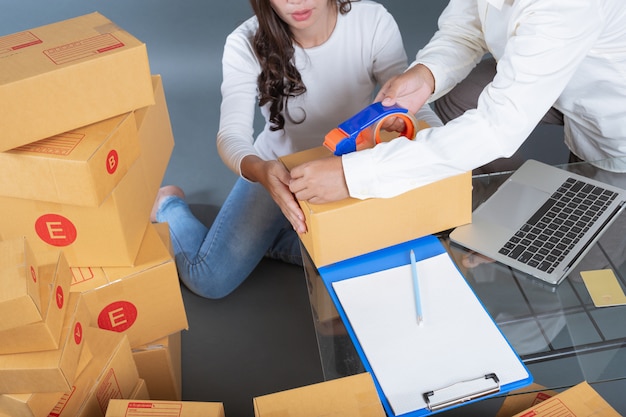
(308, 64)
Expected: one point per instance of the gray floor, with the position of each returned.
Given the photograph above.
(260, 339)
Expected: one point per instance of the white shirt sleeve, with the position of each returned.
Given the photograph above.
(240, 68)
(539, 57)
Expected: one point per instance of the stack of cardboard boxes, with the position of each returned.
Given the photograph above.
(90, 300)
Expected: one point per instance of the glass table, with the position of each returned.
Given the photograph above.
(557, 331)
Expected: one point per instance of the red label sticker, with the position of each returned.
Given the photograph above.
(117, 316)
(112, 161)
(78, 333)
(60, 297)
(85, 48)
(33, 274)
(55, 230)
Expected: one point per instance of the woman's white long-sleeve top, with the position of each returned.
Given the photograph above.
(364, 50)
(570, 54)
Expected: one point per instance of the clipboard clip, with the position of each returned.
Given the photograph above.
(462, 392)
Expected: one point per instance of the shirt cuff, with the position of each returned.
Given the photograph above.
(358, 175)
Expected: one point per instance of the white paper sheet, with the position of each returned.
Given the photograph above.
(456, 342)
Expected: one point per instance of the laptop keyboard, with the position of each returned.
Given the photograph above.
(548, 236)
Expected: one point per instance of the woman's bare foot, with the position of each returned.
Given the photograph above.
(166, 191)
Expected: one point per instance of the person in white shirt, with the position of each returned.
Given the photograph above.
(569, 55)
(309, 65)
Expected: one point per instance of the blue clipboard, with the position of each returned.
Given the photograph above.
(439, 398)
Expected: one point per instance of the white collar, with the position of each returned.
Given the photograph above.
(496, 3)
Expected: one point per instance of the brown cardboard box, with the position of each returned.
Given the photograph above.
(163, 229)
(159, 364)
(140, 392)
(58, 77)
(154, 408)
(39, 404)
(55, 282)
(156, 137)
(349, 396)
(521, 399)
(122, 218)
(28, 405)
(80, 167)
(51, 370)
(108, 235)
(144, 302)
(111, 373)
(352, 227)
(581, 400)
(20, 292)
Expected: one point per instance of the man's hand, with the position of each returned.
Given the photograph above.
(275, 178)
(320, 181)
(409, 90)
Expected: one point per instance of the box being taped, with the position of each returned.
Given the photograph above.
(351, 227)
(65, 75)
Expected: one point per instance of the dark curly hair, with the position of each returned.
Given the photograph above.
(273, 44)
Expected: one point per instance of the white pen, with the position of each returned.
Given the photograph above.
(416, 289)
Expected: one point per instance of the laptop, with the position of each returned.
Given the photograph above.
(542, 220)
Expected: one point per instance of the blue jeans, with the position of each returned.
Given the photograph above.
(250, 225)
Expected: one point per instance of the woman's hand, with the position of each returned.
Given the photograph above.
(275, 178)
(319, 181)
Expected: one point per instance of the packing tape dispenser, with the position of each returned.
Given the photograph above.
(363, 130)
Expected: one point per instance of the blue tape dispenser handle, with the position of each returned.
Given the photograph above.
(363, 129)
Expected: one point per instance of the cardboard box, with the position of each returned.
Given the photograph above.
(58, 77)
(111, 373)
(523, 398)
(80, 167)
(140, 392)
(55, 282)
(156, 137)
(154, 408)
(108, 235)
(144, 302)
(40, 404)
(349, 396)
(28, 405)
(163, 229)
(20, 293)
(352, 227)
(159, 364)
(580, 400)
(51, 370)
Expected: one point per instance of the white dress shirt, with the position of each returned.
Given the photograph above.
(570, 54)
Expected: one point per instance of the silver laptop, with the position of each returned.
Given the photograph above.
(542, 220)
